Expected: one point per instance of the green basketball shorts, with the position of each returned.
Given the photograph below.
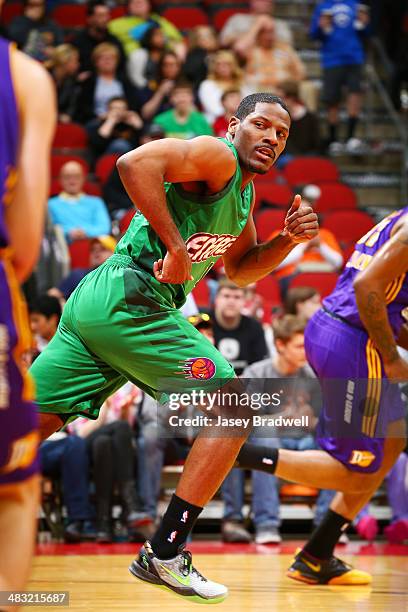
(112, 331)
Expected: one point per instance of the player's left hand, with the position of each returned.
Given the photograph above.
(301, 222)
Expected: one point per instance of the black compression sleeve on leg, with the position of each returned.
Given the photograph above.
(262, 458)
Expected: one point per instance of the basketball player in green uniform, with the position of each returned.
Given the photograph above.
(122, 323)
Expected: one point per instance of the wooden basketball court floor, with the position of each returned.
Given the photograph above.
(97, 578)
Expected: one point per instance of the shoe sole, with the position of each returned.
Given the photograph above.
(336, 581)
(141, 574)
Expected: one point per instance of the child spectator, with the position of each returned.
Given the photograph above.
(143, 63)
(183, 121)
(230, 100)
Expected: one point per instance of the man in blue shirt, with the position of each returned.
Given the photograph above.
(80, 215)
(339, 25)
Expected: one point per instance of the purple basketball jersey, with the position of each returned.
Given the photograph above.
(342, 301)
(9, 137)
(18, 418)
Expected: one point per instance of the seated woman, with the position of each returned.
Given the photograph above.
(143, 63)
(103, 84)
(154, 98)
(63, 66)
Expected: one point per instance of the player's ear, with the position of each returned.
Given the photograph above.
(233, 126)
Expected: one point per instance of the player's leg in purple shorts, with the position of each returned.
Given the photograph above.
(358, 400)
(18, 417)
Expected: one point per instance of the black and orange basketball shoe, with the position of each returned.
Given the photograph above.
(333, 571)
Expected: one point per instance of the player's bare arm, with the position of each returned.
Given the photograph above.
(37, 110)
(246, 261)
(370, 287)
(143, 173)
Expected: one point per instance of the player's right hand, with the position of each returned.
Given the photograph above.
(175, 268)
(397, 370)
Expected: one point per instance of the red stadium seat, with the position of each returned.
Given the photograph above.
(89, 188)
(59, 160)
(70, 15)
(269, 289)
(186, 17)
(118, 11)
(221, 16)
(79, 251)
(267, 221)
(348, 226)
(125, 220)
(324, 282)
(306, 170)
(9, 11)
(273, 175)
(201, 293)
(70, 136)
(278, 194)
(104, 166)
(335, 196)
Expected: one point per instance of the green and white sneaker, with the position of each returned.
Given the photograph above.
(178, 575)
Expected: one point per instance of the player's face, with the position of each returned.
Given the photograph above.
(293, 351)
(229, 302)
(261, 137)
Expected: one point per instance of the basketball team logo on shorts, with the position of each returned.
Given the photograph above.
(198, 368)
(362, 458)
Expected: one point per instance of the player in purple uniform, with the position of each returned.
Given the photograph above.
(351, 343)
(27, 117)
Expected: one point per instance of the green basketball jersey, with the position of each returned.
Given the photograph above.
(208, 225)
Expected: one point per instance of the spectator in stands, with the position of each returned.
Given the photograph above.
(66, 457)
(94, 33)
(302, 302)
(154, 98)
(63, 66)
(224, 73)
(269, 62)
(289, 361)
(304, 128)
(131, 28)
(34, 32)
(202, 42)
(101, 249)
(241, 25)
(143, 63)
(63, 456)
(117, 132)
(110, 445)
(103, 84)
(80, 215)
(240, 339)
(183, 120)
(45, 314)
(230, 100)
(339, 25)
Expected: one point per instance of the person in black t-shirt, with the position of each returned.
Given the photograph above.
(239, 339)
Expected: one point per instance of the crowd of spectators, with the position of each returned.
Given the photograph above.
(135, 78)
